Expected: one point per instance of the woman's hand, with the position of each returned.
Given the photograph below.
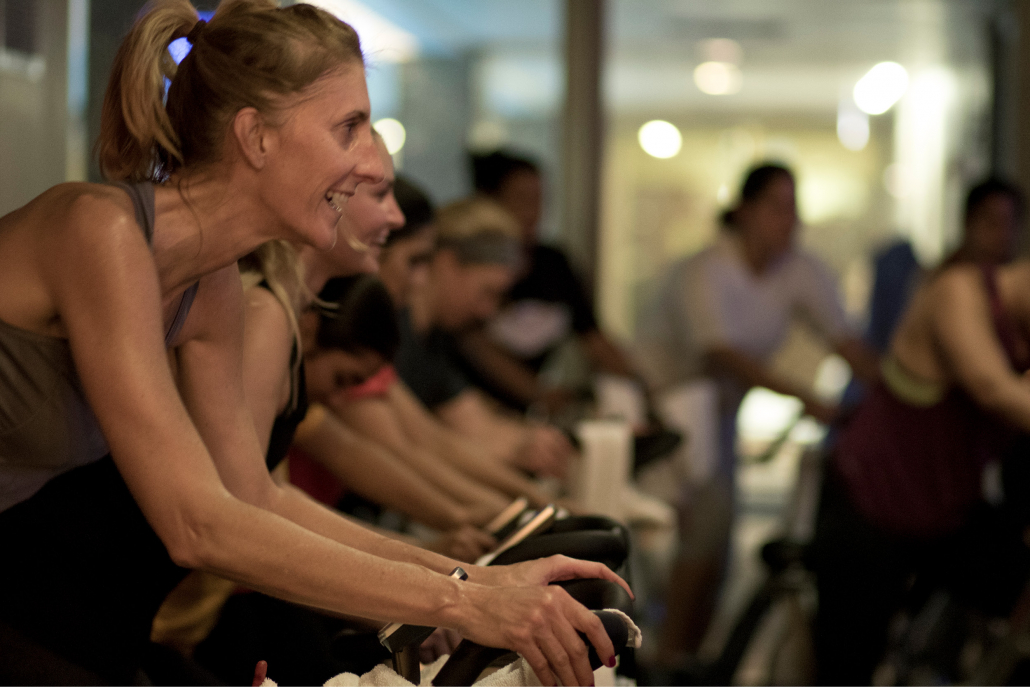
(540, 623)
(546, 451)
(544, 571)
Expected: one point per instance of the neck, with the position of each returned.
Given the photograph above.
(205, 222)
(317, 270)
(755, 256)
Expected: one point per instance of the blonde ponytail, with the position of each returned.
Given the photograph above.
(136, 137)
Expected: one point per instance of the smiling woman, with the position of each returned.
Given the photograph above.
(130, 467)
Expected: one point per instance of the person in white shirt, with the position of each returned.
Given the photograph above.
(722, 314)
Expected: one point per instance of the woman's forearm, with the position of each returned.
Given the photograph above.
(296, 506)
(468, 415)
(378, 475)
(295, 552)
(463, 454)
(497, 365)
(374, 419)
(750, 372)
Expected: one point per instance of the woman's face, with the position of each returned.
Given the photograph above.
(404, 264)
(992, 231)
(319, 153)
(769, 221)
(467, 294)
(329, 372)
(368, 218)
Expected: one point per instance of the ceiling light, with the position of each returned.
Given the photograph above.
(881, 87)
(718, 78)
(393, 134)
(853, 129)
(660, 139)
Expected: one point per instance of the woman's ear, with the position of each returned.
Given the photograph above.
(252, 136)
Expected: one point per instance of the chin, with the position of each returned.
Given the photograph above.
(324, 239)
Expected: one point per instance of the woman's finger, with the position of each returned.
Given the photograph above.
(590, 625)
(572, 568)
(576, 650)
(536, 660)
(562, 662)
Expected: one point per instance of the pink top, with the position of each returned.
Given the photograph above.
(375, 386)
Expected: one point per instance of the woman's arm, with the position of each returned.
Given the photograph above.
(375, 473)
(374, 419)
(750, 372)
(537, 448)
(961, 322)
(424, 429)
(864, 362)
(500, 367)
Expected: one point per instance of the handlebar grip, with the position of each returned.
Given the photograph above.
(470, 659)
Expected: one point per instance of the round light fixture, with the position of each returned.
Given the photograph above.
(393, 134)
(881, 87)
(660, 139)
(718, 78)
(853, 130)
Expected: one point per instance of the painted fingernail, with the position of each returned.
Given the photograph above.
(611, 662)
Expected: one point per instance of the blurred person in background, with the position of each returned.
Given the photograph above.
(902, 496)
(991, 225)
(542, 309)
(722, 314)
(477, 257)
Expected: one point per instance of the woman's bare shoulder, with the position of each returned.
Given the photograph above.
(955, 281)
(97, 211)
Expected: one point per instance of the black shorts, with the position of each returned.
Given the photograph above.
(83, 573)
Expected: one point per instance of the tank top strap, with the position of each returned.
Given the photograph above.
(1008, 333)
(142, 196)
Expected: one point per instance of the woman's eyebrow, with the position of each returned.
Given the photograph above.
(353, 117)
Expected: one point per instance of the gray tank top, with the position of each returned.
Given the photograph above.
(46, 425)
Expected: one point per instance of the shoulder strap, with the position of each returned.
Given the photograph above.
(1004, 327)
(142, 196)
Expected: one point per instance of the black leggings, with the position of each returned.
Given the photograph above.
(83, 574)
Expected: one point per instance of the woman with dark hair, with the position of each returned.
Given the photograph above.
(721, 315)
